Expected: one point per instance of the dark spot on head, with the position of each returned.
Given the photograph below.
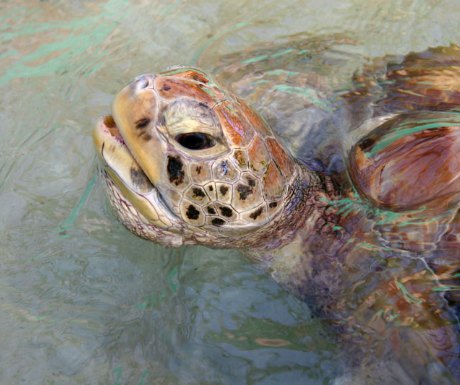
(198, 77)
(198, 193)
(273, 205)
(109, 122)
(210, 188)
(223, 190)
(251, 182)
(218, 222)
(366, 143)
(244, 191)
(175, 172)
(166, 87)
(192, 212)
(201, 104)
(211, 210)
(138, 177)
(256, 213)
(198, 170)
(226, 211)
(142, 123)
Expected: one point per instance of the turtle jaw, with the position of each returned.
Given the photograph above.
(137, 202)
(135, 110)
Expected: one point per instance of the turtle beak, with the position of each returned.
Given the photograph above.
(124, 172)
(117, 158)
(135, 113)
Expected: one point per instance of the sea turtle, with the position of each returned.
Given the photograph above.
(372, 242)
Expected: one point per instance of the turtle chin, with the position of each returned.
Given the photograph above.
(136, 201)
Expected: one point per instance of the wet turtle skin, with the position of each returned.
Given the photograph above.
(372, 242)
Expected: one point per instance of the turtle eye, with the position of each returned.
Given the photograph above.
(196, 140)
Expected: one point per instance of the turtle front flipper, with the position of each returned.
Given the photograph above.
(410, 166)
(403, 366)
(410, 162)
(408, 169)
(407, 162)
(402, 317)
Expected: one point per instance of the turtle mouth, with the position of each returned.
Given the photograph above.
(122, 172)
(110, 127)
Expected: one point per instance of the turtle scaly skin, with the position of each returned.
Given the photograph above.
(187, 162)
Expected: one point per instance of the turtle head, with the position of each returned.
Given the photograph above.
(187, 162)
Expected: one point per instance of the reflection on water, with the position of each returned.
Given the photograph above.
(83, 301)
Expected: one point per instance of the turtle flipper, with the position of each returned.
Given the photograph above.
(393, 372)
(411, 331)
(428, 80)
(446, 264)
(409, 166)
(410, 162)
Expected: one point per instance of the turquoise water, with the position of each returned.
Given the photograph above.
(82, 301)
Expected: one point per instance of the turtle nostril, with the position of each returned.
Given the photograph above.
(144, 81)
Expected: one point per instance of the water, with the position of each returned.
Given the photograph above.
(82, 301)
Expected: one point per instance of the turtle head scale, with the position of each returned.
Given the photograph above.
(188, 162)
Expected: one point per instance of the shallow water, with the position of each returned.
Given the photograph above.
(82, 301)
